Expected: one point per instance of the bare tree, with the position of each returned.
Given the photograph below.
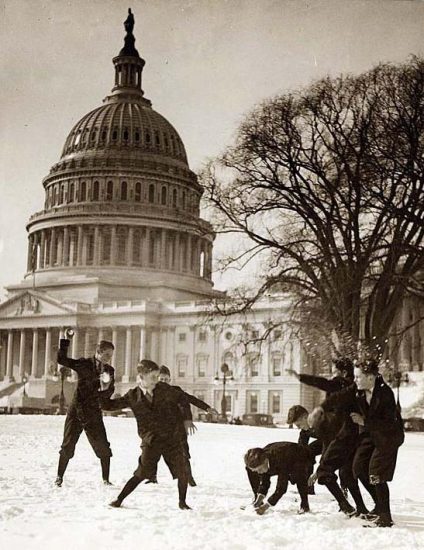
(326, 186)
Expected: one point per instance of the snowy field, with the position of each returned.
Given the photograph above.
(35, 514)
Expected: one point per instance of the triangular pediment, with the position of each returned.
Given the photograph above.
(31, 303)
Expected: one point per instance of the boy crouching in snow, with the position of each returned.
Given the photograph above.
(289, 461)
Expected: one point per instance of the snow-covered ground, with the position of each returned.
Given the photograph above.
(34, 514)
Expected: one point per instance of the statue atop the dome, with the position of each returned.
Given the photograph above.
(129, 40)
(129, 22)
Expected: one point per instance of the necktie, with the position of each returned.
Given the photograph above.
(149, 397)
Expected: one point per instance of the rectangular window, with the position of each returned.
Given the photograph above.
(276, 366)
(202, 336)
(253, 402)
(255, 334)
(254, 366)
(182, 337)
(182, 366)
(277, 334)
(202, 363)
(276, 403)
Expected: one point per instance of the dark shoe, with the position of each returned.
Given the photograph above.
(152, 480)
(370, 516)
(191, 482)
(115, 503)
(107, 482)
(183, 506)
(59, 481)
(347, 509)
(383, 520)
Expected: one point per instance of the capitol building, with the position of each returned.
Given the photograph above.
(119, 252)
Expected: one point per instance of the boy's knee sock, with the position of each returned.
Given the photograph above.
(383, 498)
(105, 462)
(129, 487)
(63, 463)
(182, 489)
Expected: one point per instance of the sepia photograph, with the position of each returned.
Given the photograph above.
(212, 274)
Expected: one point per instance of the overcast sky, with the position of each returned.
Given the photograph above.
(207, 63)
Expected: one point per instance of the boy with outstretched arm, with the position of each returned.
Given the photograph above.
(157, 408)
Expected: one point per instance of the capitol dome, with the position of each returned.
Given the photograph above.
(121, 204)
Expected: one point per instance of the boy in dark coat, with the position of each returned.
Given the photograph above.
(95, 381)
(157, 408)
(371, 405)
(325, 430)
(165, 377)
(289, 461)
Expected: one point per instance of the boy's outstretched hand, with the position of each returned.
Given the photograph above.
(189, 427)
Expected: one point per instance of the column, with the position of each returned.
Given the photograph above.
(52, 247)
(22, 354)
(100, 335)
(66, 259)
(97, 245)
(42, 249)
(115, 341)
(130, 246)
(47, 356)
(163, 262)
(113, 246)
(145, 248)
(170, 355)
(163, 349)
(9, 359)
(29, 253)
(128, 355)
(153, 344)
(189, 253)
(79, 245)
(34, 362)
(59, 259)
(142, 351)
(85, 245)
(87, 350)
(177, 252)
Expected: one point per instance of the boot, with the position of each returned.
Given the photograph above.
(383, 520)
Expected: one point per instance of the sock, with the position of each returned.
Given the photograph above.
(337, 493)
(63, 463)
(105, 462)
(182, 489)
(383, 498)
(129, 487)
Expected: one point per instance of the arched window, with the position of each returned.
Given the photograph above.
(109, 191)
(151, 193)
(184, 200)
(96, 192)
(157, 138)
(148, 138)
(61, 192)
(103, 135)
(137, 192)
(124, 191)
(90, 246)
(114, 135)
(83, 192)
(137, 135)
(163, 195)
(56, 194)
(174, 198)
(126, 135)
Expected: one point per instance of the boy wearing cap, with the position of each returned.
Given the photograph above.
(289, 461)
(96, 381)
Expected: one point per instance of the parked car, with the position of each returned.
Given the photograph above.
(414, 424)
(258, 420)
(207, 417)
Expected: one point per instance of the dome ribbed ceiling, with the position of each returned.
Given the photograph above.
(125, 124)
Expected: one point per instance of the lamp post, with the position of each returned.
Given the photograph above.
(25, 380)
(226, 375)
